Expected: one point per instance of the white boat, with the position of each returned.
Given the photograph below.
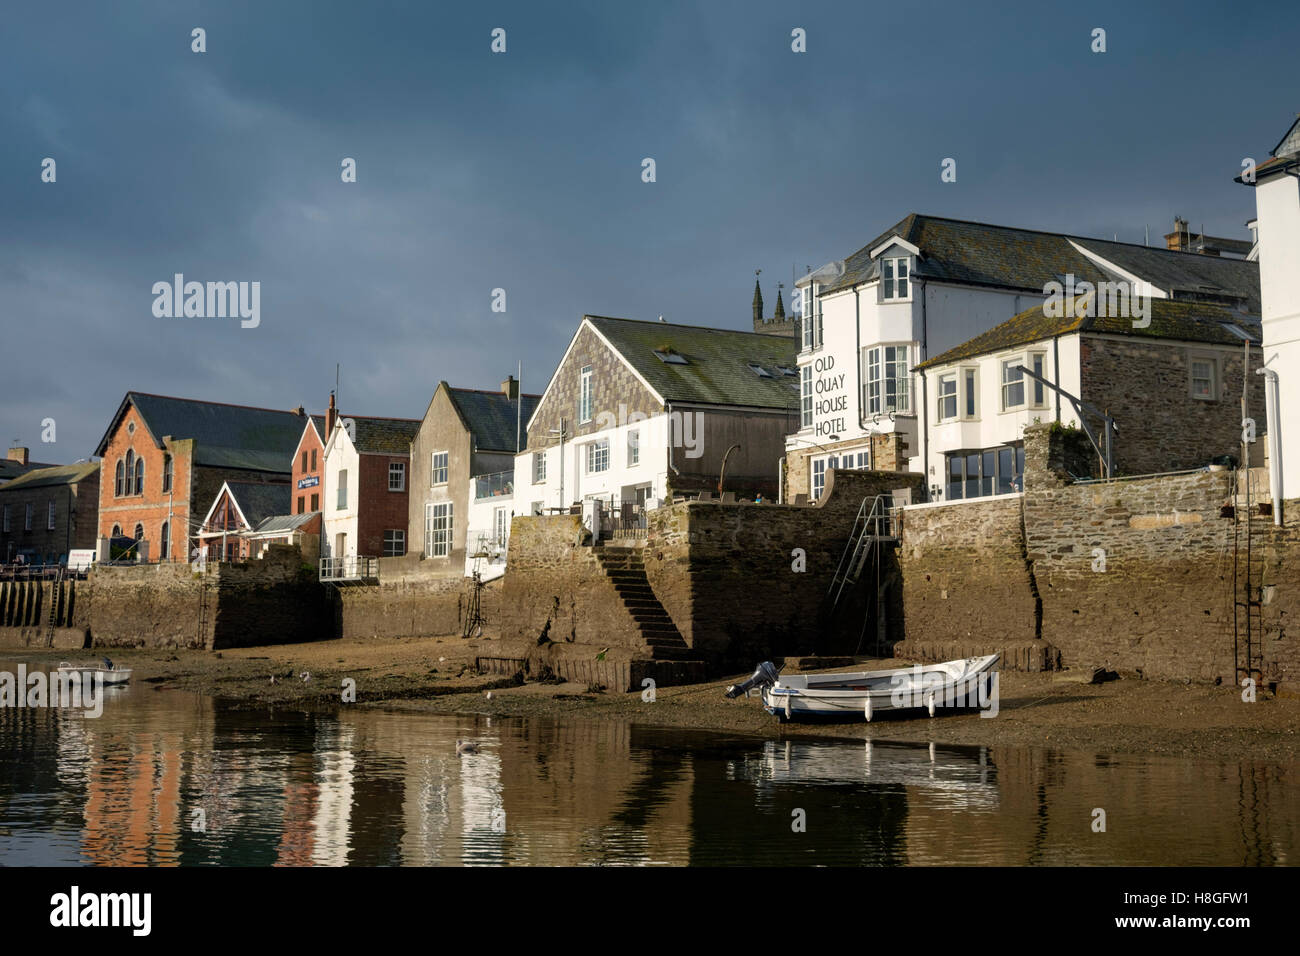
(959, 684)
(110, 674)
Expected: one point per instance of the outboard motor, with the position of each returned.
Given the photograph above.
(765, 675)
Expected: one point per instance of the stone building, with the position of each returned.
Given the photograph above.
(1172, 381)
(928, 284)
(48, 512)
(778, 323)
(645, 410)
(366, 489)
(463, 450)
(165, 459)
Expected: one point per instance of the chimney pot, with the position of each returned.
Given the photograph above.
(18, 454)
(510, 387)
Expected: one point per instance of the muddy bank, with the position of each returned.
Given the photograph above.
(436, 675)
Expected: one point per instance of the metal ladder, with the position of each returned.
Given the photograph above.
(873, 525)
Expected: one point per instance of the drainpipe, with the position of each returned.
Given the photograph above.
(1273, 410)
(1056, 373)
(671, 467)
(925, 396)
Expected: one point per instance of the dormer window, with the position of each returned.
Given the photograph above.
(893, 279)
(759, 371)
(669, 357)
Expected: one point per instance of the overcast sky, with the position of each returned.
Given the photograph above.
(522, 171)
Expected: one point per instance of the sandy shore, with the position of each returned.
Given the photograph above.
(435, 675)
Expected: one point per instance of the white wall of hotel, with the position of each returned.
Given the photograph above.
(1278, 209)
(931, 318)
(339, 525)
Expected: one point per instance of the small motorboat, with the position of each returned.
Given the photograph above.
(969, 683)
(109, 673)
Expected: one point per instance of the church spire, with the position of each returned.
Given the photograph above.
(758, 299)
(779, 314)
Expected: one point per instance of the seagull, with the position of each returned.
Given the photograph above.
(489, 695)
(464, 747)
(305, 676)
(272, 678)
(108, 665)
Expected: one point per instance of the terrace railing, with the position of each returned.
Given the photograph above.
(498, 484)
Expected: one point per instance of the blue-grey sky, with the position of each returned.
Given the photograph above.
(522, 171)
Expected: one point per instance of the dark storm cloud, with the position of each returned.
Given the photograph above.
(522, 171)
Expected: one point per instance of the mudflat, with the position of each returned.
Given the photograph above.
(437, 675)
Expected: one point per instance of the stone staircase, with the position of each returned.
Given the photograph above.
(626, 571)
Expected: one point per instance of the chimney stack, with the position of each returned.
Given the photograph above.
(510, 387)
(18, 454)
(331, 414)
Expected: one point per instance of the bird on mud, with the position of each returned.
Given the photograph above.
(306, 676)
(464, 747)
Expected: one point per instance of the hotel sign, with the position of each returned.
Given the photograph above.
(311, 482)
(830, 398)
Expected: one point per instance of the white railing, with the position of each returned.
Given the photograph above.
(350, 568)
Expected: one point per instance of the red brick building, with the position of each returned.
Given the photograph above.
(165, 459)
(309, 462)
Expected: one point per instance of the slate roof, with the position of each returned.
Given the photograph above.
(258, 501)
(385, 436)
(491, 416)
(1285, 155)
(975, 253)
(1186, 275)
(41, 477)
(1171, 319)
(226, 436)
(12, 469)
(717, 369)
(283, 524)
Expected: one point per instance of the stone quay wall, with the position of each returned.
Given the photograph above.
(412, 599)
(1132, 575)
(729, 574)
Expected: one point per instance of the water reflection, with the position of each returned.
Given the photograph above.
(171, 778)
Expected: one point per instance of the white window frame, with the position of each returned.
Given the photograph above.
(880, 368)
(1192, 378)
(969, 393)
(501, 526)
(596, 453)
(585, 402)
(398, 469)
(942, 395)
(818, 477)
(1005, 385)
(341, 499)
(633, 447)
(438, 537)
(1036, 391)
(896, 274)
(805, 396)
(435, 469)
(539, 467)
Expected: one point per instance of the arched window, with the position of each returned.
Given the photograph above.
(167, 474)
(117, 531)
(139, 476)
(118, 479)
(164, 540)
(130, 468)
(139, 532)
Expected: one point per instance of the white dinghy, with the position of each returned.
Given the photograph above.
(110, 674)
(965, 683)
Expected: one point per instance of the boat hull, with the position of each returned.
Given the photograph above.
(865, 695)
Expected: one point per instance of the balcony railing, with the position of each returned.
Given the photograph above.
(351, 568)
(501, 484)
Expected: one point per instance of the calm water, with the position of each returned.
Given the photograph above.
(367, 788)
